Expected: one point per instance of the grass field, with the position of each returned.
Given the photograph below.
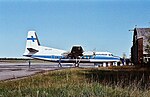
(80, 82)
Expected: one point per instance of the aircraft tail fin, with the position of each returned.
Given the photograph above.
(32, 39)
(32, 43)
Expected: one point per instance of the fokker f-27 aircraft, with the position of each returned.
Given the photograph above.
(77, 55)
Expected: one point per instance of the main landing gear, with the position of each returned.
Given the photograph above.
(59, 63)
(77, 62)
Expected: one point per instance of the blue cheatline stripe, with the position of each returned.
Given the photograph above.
(106, 58)
(32, 38)
(57, 57)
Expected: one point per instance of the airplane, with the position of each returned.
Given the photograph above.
(77, 55)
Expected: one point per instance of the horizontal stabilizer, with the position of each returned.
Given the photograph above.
(32, 50)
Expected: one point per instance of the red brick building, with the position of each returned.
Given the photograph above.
(139, 53)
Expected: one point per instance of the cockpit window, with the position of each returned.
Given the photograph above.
(110, 54)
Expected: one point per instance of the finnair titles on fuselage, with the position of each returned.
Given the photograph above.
(76, 55)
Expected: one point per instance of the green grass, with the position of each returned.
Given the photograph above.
(78, 82)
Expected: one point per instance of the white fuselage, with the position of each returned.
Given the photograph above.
(54, 55)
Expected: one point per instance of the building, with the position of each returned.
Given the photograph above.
(140, 53)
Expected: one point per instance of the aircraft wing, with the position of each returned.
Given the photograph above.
(75, 53)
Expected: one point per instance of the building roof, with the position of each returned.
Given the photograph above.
(142, 33)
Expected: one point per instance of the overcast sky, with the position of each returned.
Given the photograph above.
(99, 24)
